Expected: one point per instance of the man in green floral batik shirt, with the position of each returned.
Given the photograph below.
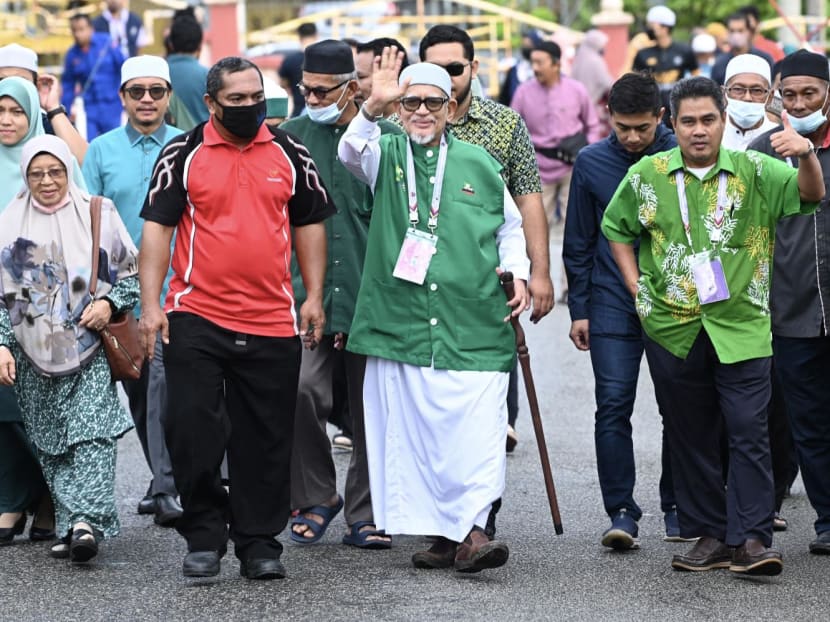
(706, 219)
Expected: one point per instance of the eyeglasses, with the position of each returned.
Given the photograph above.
(737, 92)
(137, 92)
(319, 91)
(455, 69)
(433, 104)
(56, 174)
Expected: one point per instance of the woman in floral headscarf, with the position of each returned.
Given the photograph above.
(50, 343)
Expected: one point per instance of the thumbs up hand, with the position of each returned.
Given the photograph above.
(789, 143)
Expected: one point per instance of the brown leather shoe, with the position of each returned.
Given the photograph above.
(440, 555)
(707, 554)
(753, 558)
(478, 552)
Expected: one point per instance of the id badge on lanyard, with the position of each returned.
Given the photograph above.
(707, 268)
(419, 246)
(416, 252)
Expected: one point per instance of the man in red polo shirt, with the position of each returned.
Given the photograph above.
(239, 196)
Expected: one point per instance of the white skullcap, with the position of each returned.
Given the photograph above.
(661, 15)
(747, 63)
(14, 55)
(427, 73)
(704, 44)
(145, 67)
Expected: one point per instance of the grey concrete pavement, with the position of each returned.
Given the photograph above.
(137, 576)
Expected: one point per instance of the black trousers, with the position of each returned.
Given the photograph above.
(802, 365)
(234, 393)
(701, 398)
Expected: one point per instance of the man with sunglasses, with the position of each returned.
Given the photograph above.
(432, 319)
(329, 87)
(118, 165)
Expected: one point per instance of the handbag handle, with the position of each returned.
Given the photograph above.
(95, 213)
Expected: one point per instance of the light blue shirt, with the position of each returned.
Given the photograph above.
(119, 164)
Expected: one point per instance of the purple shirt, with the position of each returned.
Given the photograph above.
(551, 114)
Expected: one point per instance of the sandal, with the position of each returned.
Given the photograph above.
(360, 539)
(60, 550)
(318, 529)
(81, 548)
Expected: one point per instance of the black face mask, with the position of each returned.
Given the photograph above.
(650, 34)
(243, 121)
(526, 53)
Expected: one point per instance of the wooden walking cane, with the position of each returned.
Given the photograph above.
(506, 279)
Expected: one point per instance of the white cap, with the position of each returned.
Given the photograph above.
(704, 44)
(661, 15)
(14, 55)
(427, 73)
(747, 63)
(145, 67)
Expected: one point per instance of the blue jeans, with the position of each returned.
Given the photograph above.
(802, 366)
(616, 362)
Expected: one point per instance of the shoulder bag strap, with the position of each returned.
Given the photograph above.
(95, 213)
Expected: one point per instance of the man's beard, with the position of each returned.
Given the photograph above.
(420, 139)
(463, 95)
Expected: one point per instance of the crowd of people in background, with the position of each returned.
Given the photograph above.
(690, 194)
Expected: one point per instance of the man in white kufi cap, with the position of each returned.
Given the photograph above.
(119, 165)
(747, 88)
(431, 317)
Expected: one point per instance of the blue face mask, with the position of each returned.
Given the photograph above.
(327, 115)
(810, 123)
(744, 114)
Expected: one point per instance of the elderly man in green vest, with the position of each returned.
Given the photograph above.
(432, 319)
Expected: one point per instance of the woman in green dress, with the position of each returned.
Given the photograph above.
(50, 345)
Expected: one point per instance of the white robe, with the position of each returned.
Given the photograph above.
(435, 445)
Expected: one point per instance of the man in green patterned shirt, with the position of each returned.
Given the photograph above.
(706, 219)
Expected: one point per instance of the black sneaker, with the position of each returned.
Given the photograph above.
(821, 545)
(622, 535)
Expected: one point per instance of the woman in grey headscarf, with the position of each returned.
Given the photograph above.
(589, 68)
(49, 342)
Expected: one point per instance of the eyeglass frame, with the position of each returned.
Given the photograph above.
(144, 90)
(319, 92)
(746, 90)
(56, 173)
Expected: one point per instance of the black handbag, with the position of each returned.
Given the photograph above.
(567, 149)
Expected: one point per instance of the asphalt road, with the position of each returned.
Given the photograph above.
(570, 577)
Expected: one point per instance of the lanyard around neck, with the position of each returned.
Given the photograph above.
(412, 188)
(720, 210)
